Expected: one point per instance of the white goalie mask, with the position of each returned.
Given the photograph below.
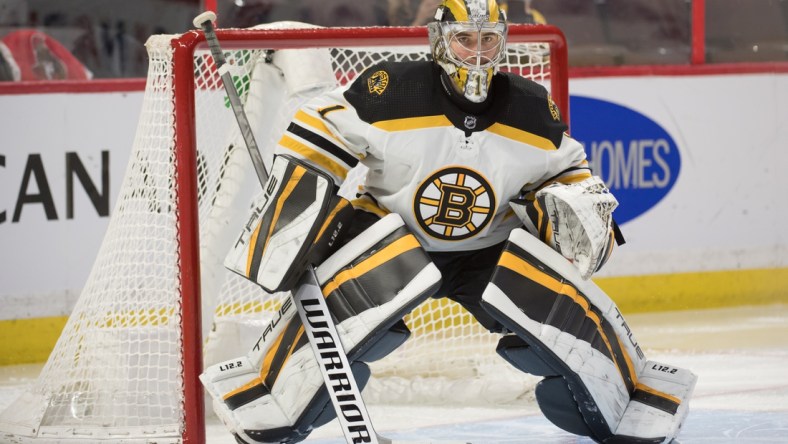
(468, 41)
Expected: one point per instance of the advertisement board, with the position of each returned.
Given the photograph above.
(62, 161)
(695, 162)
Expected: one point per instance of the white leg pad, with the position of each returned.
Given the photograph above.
(574, 327)
(259, 401)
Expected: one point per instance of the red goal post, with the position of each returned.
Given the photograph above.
(126, 366)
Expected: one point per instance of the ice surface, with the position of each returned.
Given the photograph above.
(739, 354)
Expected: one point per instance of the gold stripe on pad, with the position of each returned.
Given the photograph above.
(655, 392)
(253, 383)
(630, 367)
(293, 180)
(523, 268)
(250, 254)
(269, 358)
(330, 218)
(396, 248)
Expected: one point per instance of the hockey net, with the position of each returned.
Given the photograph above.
(125, 367)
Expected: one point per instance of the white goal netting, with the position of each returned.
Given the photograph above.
(117, 371)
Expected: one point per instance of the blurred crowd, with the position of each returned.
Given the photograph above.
(347, 13)
(46, 41)
(84, 39)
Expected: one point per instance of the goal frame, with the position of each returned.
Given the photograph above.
(187, 228)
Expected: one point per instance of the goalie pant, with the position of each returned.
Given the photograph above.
(276, 392)
(597, 381)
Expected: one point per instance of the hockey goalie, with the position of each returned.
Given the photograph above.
(474, 192)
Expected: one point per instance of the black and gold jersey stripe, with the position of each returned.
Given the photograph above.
(367, 203)
(309, 137)
(415, 98)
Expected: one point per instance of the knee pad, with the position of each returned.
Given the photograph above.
(276, 393)
(386, 343)
(519, 354)
(558, 404)
(553, 395)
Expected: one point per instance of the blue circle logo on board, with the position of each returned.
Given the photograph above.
(637, 158)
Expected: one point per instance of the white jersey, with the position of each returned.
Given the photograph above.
(449, 173)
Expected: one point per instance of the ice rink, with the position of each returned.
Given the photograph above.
(739, 354)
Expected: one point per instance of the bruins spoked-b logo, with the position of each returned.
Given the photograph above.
(454, 203)
(554, 112)
(378, 82)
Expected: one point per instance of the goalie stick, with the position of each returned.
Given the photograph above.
(340, 382)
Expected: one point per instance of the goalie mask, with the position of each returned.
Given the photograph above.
(468, 41)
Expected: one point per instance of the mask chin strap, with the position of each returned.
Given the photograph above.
(458, 98)
(475, 86)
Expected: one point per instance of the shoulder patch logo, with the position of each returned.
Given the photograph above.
(378, 82)
(553, 108)
(454, 203)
